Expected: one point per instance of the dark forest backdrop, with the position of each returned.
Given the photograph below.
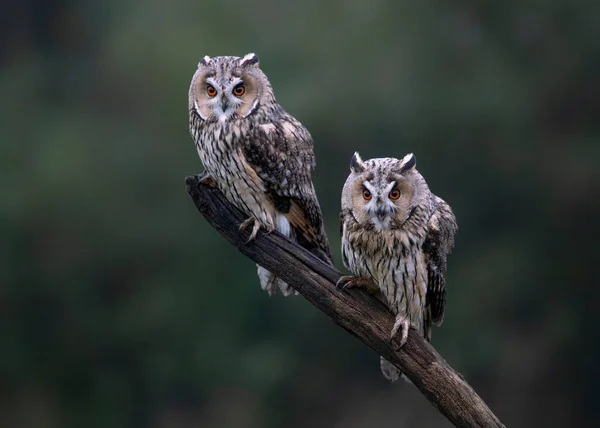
(121, 307)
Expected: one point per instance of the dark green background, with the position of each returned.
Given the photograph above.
(121, 307)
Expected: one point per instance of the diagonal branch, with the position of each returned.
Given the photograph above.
(359, 313)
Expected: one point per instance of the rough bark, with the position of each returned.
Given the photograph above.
(355, 310)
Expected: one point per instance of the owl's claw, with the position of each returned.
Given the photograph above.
(402, 324)
(349, 281)
(255, 227)
(207, 180)
(346, 281)
(244, 225)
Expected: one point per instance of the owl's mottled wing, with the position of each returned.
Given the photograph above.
(281, 153)
(437, 246)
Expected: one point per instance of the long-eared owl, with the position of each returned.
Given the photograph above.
(258, 155)
(396, 236)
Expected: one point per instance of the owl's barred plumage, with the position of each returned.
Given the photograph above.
(258, 155)
(396, 234)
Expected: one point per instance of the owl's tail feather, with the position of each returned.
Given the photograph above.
(270, 283)
(391, 372)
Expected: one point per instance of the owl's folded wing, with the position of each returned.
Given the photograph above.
(282, 155)
(437, 246)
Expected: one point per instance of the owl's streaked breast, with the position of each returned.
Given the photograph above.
(396, 264)
(220, 149)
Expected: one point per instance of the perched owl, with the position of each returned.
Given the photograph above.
(396, 236)
(258, 155)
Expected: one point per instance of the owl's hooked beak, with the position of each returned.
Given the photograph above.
(381, 218)
(224, 104)
(381, 213)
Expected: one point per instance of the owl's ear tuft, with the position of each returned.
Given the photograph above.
(204, 61)
(356, 163)
(408, 162)
(250, 59)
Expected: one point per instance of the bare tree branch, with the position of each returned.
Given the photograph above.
(359, 313)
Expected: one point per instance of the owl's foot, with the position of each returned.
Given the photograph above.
(349, 281)
(255, 227)
(400, 329)
(206, 179)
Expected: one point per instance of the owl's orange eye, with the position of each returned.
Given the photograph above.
(395, 194)
(239, 90)
(366, 195)
(211, 91)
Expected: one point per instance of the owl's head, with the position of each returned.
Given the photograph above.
(227, 87)
(383, 192)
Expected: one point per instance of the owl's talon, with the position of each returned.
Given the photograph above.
(402, 324)
(244, 225)
(345, 281)
(207, 180)
(350, 281)
(255, 227)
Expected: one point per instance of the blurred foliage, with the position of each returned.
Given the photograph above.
(121, 307)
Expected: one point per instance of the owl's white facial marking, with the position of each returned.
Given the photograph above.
(225, 103)
(380, 208)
